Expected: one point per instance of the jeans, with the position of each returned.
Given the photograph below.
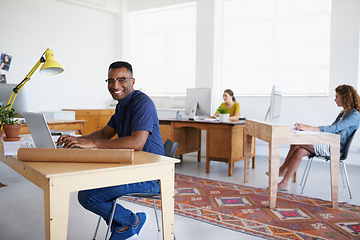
(100, 201)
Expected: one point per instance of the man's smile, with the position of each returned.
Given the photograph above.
(117, 92)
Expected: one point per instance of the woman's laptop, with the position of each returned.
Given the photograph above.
(39, 130)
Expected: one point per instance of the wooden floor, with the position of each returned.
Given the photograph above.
(21, 202)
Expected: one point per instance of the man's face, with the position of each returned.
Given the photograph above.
(123, 84)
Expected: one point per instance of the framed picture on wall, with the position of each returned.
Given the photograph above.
(5, 61)
(3, 78)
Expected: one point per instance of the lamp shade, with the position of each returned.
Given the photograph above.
(50, 66)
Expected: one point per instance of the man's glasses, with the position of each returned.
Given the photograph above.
(111, 81)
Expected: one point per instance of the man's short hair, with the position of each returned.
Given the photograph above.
(120, 64)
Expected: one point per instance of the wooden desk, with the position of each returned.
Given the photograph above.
(57, 180)
(224, 141)
(77, 125)
(96, 118)
(276, 135)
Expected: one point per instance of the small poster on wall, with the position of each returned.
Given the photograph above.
(2, 78)
(5, 61)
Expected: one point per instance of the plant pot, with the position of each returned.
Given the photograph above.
(12, 132)
(224, 117)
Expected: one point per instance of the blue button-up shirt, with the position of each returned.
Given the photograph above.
(137, 112)
(344, 126)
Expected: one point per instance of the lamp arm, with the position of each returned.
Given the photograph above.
(22, 83)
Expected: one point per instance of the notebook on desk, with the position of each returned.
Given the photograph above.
(39, 130)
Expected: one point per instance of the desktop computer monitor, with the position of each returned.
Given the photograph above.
(201, 96)
(20, 103)
(274, 110)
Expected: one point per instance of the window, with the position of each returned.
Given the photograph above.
(277, 42)
(163, 45)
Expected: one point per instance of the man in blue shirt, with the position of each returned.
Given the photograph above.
(137, 125)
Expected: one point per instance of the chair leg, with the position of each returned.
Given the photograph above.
(306, 168)
(112, 216)
(97, 228)
(307, 174)
(342, 174)
(347, 178)
(111, 219)
(156, 216)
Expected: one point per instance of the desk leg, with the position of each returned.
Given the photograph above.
(207, 164)
(81, 130)
(167, 204)
(207, 151)
(334, 173)
(248, 143)
(56, 204)
(254, 157)
(274, 164)
(231, 165)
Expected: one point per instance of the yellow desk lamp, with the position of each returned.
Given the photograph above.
(50, 67)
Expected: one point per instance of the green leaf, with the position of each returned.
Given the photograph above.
(223, 110)
(7, 116)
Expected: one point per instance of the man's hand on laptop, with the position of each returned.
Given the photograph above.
(74, 142)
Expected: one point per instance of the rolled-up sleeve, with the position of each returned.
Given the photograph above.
(352, 121)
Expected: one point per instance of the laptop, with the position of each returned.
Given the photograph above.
(39, 130)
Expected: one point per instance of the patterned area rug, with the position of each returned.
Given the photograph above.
(245, 209)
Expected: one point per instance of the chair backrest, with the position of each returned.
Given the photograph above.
(170, 148)
(345, 151)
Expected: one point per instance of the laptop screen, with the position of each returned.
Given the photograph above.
(39, 130)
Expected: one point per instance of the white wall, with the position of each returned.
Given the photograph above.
(344, 64)
(139, 5)
(82, 39)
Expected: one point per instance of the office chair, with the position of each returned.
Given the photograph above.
(343, 156)
(170, 150)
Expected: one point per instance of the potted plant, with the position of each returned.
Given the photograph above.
(223, 114)
(9, 123)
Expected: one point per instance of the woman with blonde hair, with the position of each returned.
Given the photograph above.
(345, 124)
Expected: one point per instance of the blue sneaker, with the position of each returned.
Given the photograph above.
(142, 221)
(129, 234)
